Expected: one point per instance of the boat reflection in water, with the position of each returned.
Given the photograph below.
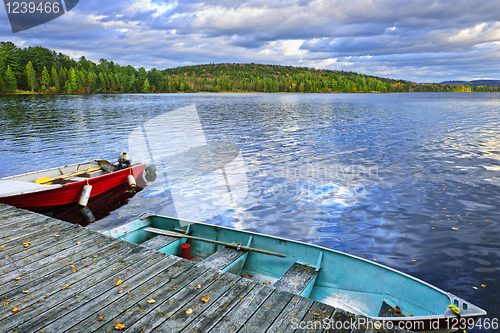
(97, 207)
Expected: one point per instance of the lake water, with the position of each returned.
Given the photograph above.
(409, 180)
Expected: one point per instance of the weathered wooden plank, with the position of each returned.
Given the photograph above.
(136, 295)
(222, 258)
(295, 310)
(11, 217)
(296, 278)
(39, 315)
(38, 287)
(166, 306)
(23, 222)
(209, 318)
(341, 321)
(41, 229)
(29, 230)
(103, 293)
(55, 257)
(317, 317)
(4, 207)
(132, 314)
(238, 316)
(180, 319)
(10, 211)
(158, 242)
(39, 241)
(51, 255)
(265, 315)
(43, 287)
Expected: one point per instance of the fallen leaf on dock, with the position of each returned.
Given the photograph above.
(151, 301)
(56, 235)
(75, 270)
(100, 318)
(474, 287)
(17, 278)
(26, 291)
(198, 286)
(483, 285)
(15, 309)
(66, 286)
(454, 228)
(95, 256)
(205, 299)
(120, 326)
(77, 243)
(119, 282)
(3, 246)
(121, 291)
(71, 263)
(26, 244)
(189, 311)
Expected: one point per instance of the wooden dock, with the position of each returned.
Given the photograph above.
(59, 277)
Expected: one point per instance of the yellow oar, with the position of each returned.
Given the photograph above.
(48, 180)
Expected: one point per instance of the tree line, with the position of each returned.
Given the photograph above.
(38, 69)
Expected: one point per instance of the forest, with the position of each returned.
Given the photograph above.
(40, 70)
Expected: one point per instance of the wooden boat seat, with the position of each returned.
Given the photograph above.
(158, 242)
(296, 279)
(222, 258)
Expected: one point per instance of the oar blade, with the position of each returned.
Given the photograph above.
(44, 180)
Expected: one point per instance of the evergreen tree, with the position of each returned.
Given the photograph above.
(10, 82)
(45, 78)
(31, 76)
(73, 81)
(102, 83)
(55, 79)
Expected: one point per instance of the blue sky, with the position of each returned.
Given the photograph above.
(417, 40)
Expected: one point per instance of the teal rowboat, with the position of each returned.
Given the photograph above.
(335, 278)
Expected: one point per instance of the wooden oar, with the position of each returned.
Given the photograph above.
(235, 246)
(48, 180)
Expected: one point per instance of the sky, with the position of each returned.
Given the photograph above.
(416, 40)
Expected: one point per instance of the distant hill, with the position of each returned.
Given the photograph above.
(45, 71)
(474, 83)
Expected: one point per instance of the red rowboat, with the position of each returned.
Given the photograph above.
(64, 185)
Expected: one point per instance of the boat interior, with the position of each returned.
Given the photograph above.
(328, 276)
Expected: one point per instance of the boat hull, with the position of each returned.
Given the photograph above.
(71, 192)
(343, 281)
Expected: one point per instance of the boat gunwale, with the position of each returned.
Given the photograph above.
(451, 297)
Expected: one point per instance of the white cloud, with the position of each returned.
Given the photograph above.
(422, 40)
